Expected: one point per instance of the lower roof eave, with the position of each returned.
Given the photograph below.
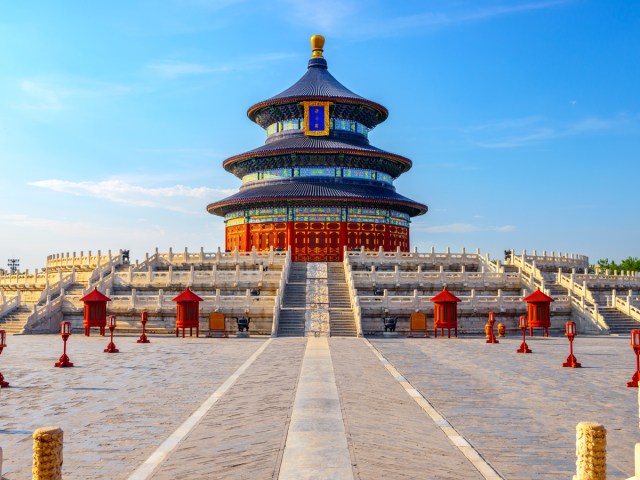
(413, 209)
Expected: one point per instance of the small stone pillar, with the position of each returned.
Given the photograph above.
(591, 451)
(47, 454)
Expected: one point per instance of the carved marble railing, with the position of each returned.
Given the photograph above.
(400, 278)
(626, 305)
(254, 257)
(381, 257)
(42, 319)
(277, 304)
(554, 259)
(214, 277)
(67, 260)
(228, 304)
(606, 280)
(583, 301)
(353, 294)
(395, 304)
(9, 303)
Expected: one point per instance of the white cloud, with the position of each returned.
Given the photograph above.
(118, 191)
(55, 94)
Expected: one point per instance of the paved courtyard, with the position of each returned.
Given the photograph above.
(199, 408)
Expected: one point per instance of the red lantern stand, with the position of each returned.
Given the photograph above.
(95, 311)
(445, 313)
(490, 333)
(524, 348)
(188, 312)
(3, 344)
(111, 348)
(65, 332)
(635, 344)
(144, 316)
(571, 334)
(538, 308)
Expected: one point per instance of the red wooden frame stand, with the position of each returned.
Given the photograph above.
(144, 316)
(524, 348)
(111, 348)
(3, 344)
(635, 344)
(571, 334)
(65, 332)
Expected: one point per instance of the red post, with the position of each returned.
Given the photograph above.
(111, 348)
(3, 344)
(635, 344)
(524, 348)
(492, 321)
(143, 319)
(571, 359)
(65, 332)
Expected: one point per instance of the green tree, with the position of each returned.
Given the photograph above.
(628, 264)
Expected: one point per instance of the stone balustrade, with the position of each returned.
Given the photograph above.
(201, 257)
(406, 304)
(214, 277)
(554, 259)
(229, 304)
(446, 259)
(397, 278)
(9, 303)
(66, 260)
(604, 280)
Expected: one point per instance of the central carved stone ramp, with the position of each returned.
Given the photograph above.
(342, 322)
(294, 302)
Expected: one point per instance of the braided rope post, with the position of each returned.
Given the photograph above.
(591, 451)
(47, 454)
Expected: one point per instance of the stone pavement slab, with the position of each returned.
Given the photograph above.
(520, 411)
(243, 435)
(114, 408)
(390, 436)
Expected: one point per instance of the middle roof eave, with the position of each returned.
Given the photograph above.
(305, 144)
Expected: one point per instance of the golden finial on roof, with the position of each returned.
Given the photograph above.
(317, 44)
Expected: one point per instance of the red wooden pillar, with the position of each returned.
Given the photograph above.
(343, 237)
(538, 311)
(246, 242)
(95, 311)
(445, 312)
(188, 312)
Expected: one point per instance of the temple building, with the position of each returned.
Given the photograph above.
(317, 185)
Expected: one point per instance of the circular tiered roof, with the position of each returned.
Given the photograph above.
(293, 146)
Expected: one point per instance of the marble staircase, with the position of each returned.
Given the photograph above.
(294, 302)
(341, 318)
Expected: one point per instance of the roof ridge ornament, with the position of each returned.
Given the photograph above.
(317, 46)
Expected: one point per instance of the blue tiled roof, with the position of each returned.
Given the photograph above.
(301, 143)
(295, 191)
(318, 84)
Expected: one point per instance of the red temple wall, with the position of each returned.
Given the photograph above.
(317, 241)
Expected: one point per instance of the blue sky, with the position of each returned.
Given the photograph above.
(522, 119)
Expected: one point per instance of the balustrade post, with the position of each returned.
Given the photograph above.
(160, 298)
(133, 298)
(201, 254)
(591, 451)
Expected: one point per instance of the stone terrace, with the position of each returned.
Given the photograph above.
(518, 411)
